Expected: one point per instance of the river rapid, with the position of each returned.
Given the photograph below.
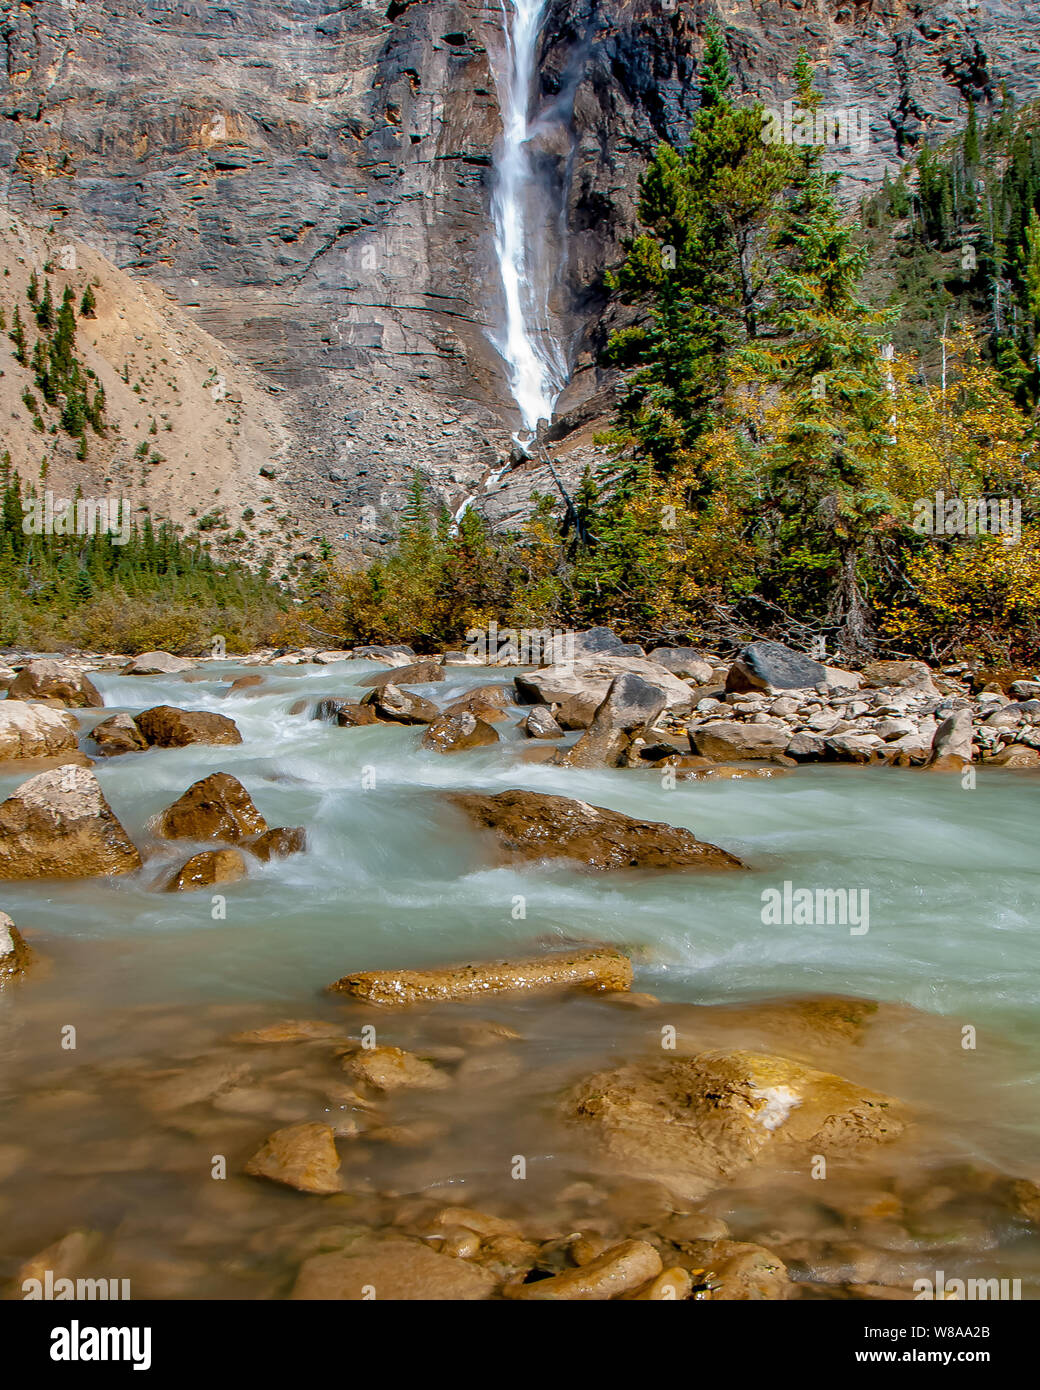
(393, 876)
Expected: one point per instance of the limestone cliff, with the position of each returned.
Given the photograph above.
(310, 180)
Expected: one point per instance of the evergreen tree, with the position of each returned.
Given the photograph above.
(826, 468)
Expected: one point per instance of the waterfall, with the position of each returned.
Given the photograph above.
(537, 372)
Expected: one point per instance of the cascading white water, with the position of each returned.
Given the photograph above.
(535, 364)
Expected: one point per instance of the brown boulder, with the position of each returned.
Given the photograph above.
(455, 733)
(34, 731)
(302, 1156)
(209, 867)
(278, 843)
(168, 727)
(488, 702)
(395, 706)
(604, 969)
(216, 808)
(59, 825)
(696, 1122)
(416, 673)
(118, 734)
(532, 826)
(45, 679)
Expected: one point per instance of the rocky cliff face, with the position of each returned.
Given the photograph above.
(311, 181)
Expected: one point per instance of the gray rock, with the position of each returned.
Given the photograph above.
(541, 724)
(770, 666)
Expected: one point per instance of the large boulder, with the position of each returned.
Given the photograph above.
(210, 867)
(695, 1123)
(455, 733)
(156, 664)
(15, 956)
(770, 666)
(217, 807)
(727, 740)
(413, 673)
(604, 969)
(34, 731)
(952, 744)
(43, 679)
(392, 1268)
(629, 706)
(581, 686)
(533, 826)
(165, 726)
(117, 734)
(59, 825)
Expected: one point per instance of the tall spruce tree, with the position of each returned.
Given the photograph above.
(827, 467)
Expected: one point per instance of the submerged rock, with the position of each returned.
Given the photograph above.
(59, 825)
(210, 867)
(251, 682)
(455, 733)
(302, 1156)
(16, 957)
(118, 734)
(533, 826)
(392, 1268)
(34, 731)
(165, 726)
(393, 1069)
(45, 679)
(156, 664)
(602, 969)
(217, 807)
(620, 1269)
(696, 1122)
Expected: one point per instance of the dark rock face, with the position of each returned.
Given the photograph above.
(313, 182)
(531, 826)
(772, 666)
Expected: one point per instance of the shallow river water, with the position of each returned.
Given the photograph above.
(394, 876)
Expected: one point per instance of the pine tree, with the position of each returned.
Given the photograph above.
(45, 308)
(17, 336)
(971, 138)
(88, 304)
(716, 78)
(826, 467)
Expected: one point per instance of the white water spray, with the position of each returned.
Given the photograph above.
(537, 372)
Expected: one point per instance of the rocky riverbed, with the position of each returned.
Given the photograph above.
(331, 972)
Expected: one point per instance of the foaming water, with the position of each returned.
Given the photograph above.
(394, 876)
